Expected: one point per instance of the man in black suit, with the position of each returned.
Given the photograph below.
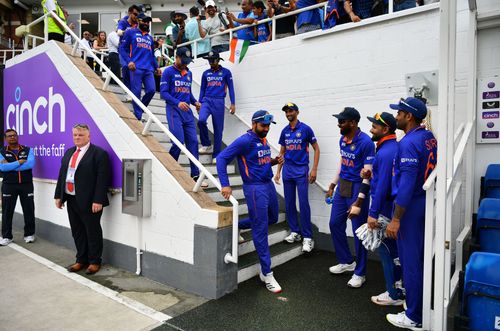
(83, 183)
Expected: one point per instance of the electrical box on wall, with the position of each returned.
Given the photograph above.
(136, 194)
(423, 84)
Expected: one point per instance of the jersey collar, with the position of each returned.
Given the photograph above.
(386, 138)
(183, 72)
(355, 138)
(296, 126)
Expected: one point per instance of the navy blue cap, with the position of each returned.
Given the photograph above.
(185, 54)
(143, 17)
(291, 106)
(213, 55)
(263, 116)
(384, 119)
(174, 13)
(411, 105)
(348, 114)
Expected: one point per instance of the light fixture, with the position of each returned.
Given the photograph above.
(156, 20)
(20, 4)
(84, 22)
(121, 2)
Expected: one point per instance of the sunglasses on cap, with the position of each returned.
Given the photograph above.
(267, 118)
(379, 118)
(402, 101)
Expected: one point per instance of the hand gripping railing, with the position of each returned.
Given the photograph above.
(229, 257)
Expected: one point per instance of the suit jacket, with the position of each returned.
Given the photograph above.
(92, 178)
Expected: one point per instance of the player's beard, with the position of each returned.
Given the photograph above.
(345, 131)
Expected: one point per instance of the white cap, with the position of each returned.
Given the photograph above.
(209, 3)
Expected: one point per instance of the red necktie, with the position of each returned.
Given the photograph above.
(71, 186)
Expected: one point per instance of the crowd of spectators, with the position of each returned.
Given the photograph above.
(208, 20)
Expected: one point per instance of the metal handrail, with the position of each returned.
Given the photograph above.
(6, 51)
(229, 257)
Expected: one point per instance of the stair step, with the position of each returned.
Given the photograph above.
(205, 159)
(249, 266)
(247, 232)
(212, 168)
(234, 179)
(242, 207)
(277, 233)
(217, 197)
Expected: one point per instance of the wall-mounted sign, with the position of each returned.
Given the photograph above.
(488, 110)
(41, 107)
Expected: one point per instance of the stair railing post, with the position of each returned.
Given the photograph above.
(147, 126)
(106, 82)
(200, 180)
(273, 28)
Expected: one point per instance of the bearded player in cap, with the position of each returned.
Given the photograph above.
(214, 84)
(295, 140)
(254, 162)
(414, 162)
(349, 191)
(383, 133)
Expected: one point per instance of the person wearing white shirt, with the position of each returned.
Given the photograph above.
(114, 59)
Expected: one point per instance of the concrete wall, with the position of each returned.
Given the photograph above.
(488, 53)
(361, 65)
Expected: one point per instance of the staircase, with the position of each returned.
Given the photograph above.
(248, 261)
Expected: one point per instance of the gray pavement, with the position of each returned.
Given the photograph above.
(35, 297)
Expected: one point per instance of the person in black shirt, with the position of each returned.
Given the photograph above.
(16, 162)
(285, 26)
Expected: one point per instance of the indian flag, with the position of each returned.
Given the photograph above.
(238, 50)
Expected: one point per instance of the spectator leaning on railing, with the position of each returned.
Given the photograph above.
(193, 32)
(245, 17)
(179, 30)
(308, 20)
(214, 23)
(113, 58)
(262, 31)
(100, 44)
(285, 27)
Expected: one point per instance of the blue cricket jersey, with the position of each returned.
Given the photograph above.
(214, 84)
(296, 141)
(308, 17)
(263, 30)
(414, 162)
(247, 33)
(123, 25)
(355, 155)
(175, 86)
(380, 186)
(254, 159)
(137, 47)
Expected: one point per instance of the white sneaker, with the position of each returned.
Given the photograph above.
(29, 239)
(214, 161)
(293, 237)
(402, 321)
(384, 299)
(206, 149)
(341, 268)
(240, 239)
(271, 283)
(5, 241)
(356, 281)
(307, 245)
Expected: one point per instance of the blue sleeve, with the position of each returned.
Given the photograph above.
(203, 86)
(408, 168)
(238, 147)
(383, 189)
(369, 152)
(125, 47)
(312, 137)
(30, 162)
(230, 86)
(166, 78)
(11, 166)
(121, 24)
(282, 138)
(192, 99)
(175, 33)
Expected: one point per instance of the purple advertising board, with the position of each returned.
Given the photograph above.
(41, 107)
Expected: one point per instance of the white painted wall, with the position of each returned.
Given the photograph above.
(170, 229)
(361, 65)
(488, 65)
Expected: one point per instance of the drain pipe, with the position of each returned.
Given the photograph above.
(138, 251)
